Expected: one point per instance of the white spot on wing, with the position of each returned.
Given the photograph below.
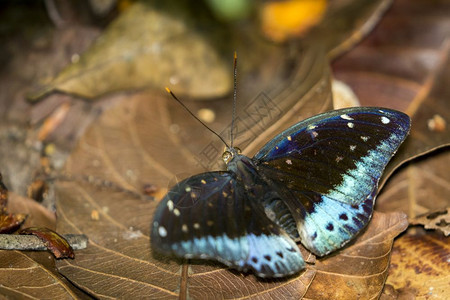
(350, 125)
(170, 205)
(162, 231)
(311, 127)
(176, 212)
(365, 138)
(346, 117)
(196, 226)
(184, 228)
(289, 138)
(289, 162)
(385, 120)
(188, 189)
(352, 147)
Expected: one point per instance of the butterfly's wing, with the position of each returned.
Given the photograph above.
(327, 169)
(210, 216)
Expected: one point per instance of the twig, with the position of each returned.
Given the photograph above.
(31, 242)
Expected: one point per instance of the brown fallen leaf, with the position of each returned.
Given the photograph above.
(438, 220)
(145, 47)
(420, 187)
(420, 265)
(33, 275)
(54, 242)
(401, 65)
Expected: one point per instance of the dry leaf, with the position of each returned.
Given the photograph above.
(420, 187)
(146, 47)
(420, 265)
(33, 275)
(402, 66)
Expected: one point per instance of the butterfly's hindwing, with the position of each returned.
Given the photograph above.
(327, 169)
(211, 216)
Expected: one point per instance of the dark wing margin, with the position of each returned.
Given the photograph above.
(209, 216)
(326, 170)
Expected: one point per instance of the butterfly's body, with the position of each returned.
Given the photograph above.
(315, 183)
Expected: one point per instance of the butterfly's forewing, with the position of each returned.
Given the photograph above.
(327, 169)
(210, 216)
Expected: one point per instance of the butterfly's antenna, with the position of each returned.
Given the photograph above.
(234, 97)
(185, 107)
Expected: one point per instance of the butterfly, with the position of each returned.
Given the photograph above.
(314, 183)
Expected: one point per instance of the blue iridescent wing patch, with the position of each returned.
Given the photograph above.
(327, 169)
(210, 216)
(315, 182)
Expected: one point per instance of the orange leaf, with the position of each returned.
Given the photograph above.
(284, 19)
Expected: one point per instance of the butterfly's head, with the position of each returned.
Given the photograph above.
(230, 153)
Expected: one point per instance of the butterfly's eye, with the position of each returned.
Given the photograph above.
(238, 150)
(227, 156)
